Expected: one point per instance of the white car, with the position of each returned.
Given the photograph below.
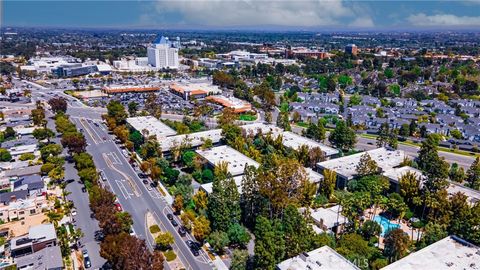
(74, 212)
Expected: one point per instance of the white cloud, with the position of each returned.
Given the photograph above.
(362, 22)
(421, 19)
(303, 13)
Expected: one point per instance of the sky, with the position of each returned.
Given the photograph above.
(245, 14)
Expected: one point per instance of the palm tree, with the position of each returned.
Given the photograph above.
(54, 217)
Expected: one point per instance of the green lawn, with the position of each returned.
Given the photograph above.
(247, 117)
(302, 124)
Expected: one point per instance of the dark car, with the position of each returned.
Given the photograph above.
(99, 236)
(174, 223)
(142, 175)
(84, 189)
(145, 181)
(86, 259)
(170, 216)
(194, 247)
(182, 231)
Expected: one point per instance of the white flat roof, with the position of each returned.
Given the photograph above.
(324, 258)
(295, 141)
(236, 160)
(152, 125)
(194, 139)
(449, 253)
(347, 166)
(329, 217)
(208, 187)
(265, 128)
(313, 175)
(473, 196)
(290, 139)
(395, 174)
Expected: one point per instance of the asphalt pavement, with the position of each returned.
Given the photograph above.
(81, 203)
(132, 194)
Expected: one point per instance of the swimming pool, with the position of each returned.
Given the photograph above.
(385, 224)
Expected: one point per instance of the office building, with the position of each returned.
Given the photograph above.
(163, 54)
(150, 126)
(190, 90)
(351, 49)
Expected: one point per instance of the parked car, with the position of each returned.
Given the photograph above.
(170, 216)
(118, 206)
(86, 259)
(194, 247)
(182, 231)
(84, 189)
(102, 176)
(174, 223)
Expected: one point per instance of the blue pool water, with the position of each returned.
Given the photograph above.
(386, 224)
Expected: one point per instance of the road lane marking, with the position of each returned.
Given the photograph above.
(132, 185)
(123, 189)
(81, 120)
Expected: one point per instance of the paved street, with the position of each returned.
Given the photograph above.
(131, 192)
(81, 202)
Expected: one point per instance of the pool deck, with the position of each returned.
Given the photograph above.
(414, 234)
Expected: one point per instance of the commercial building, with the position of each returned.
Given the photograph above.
(132, 64)
(48, 64)
(150, 126)
(242, 56)
(74, 70)
(189, 90)
(305, 52)
(449, 253)
(238, 105)
(193, 139)
(324, 258)
(346, 167)
(236, 161)
(351, 49)
(163, 54)
(130, 89)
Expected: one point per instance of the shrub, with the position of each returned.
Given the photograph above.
(154, 229)
(27, 156)
(170, 255)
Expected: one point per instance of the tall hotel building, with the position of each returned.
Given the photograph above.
(163, 53)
